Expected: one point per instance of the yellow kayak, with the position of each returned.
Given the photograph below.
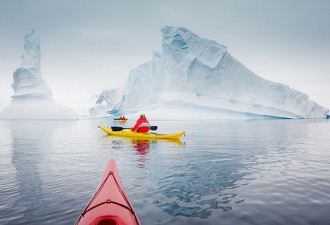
(121, 120)
(129, 133)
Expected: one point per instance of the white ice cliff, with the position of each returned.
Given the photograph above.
(33, 98)
(197, 75)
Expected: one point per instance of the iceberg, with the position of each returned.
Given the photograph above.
(105, 101)
(27, 78)
(196, 78)
(33, 97)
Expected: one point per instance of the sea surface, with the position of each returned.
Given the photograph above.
(220, 172)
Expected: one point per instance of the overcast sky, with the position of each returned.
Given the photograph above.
(87, 46)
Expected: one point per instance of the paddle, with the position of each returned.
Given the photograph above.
(122, 128)
(120, 119)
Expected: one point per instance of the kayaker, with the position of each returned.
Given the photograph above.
(142, 125)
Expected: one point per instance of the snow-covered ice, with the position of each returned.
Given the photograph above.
(33, 97)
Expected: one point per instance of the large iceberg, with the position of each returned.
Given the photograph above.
(33, 98)
(195, 77)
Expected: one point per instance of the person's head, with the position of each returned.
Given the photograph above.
(142, 115)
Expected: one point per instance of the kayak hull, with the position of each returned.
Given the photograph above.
(121, 121)
(109, 204)
(129, 133)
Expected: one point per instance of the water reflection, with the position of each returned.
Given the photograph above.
(30, 139)
(142, 147)
(207, 177)
(193, 189)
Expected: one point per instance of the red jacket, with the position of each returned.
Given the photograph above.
(141, 126)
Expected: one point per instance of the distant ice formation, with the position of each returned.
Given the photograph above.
(33, 97)
(27, 78)
(106, 100)
(194, 74)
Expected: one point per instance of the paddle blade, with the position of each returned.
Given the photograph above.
(153, 127)
(121, 128)
(117, 128)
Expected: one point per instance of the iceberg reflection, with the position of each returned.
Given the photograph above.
(29, 140)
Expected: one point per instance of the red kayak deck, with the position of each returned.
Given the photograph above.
(109, 204)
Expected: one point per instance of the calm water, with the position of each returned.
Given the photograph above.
(222, 172)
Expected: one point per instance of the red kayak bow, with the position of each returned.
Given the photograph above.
(109, 204)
